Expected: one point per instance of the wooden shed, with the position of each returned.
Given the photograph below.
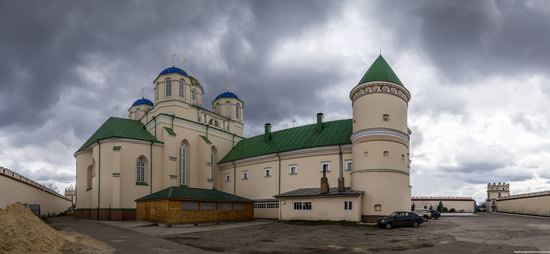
(181, 204)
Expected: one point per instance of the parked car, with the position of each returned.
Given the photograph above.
(424, 213)
(400, 219)
(435, 214)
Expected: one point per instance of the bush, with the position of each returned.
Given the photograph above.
(452, 210)
(444, 210)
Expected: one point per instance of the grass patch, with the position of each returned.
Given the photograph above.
(45, 220)
(323, 222)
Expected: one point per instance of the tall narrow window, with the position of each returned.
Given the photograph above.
(157, 93)
(140, 171)
(168, 88)
(182, 88)
(183, 152)
(193, 95)
(89, 176)
(238, 111)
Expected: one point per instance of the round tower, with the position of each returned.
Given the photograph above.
(229, 105)
(380, 142)
(139, 108)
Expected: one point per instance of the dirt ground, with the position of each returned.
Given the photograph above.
(486, 233)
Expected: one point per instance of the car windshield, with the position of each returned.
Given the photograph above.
(393, 214)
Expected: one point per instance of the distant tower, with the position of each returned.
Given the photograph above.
(139, 108)
(229, 105)
(380, 142)
(494, 192)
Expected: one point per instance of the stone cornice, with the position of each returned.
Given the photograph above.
(380, 87)
(380, 170)
(380, 133)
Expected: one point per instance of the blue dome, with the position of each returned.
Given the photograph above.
(143, 101)
(173, 69)
(227, 95)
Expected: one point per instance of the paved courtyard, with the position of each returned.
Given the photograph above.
(485, 233)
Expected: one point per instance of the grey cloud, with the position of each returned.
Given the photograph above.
(467, 40)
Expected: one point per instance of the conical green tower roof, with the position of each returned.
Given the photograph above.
(380, 70)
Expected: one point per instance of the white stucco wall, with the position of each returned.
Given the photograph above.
(15, 189)
(460, 205)
(531, 203)
(323, 208)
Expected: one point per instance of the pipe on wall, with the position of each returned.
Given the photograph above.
(279, 187)
(98, 179)
(234, 178)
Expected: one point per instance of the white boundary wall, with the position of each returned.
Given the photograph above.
(460, 204)
(535, 203)
(17, 188)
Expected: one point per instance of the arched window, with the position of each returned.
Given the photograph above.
(238, 111)
(193, 94)
(157, 93)
(89, 175)
(386, 154)
(168, 88)
(140, 171)
(182, 88)
(183, 153)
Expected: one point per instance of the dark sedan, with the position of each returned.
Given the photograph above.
(435, 214)
(400, 219)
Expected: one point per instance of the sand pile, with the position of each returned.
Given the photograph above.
(23, 232)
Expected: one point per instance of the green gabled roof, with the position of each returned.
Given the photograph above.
(116, 127)
(183, 192)
(302, 137)
(380, 70)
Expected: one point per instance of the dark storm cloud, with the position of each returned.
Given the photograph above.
(48, 49)
(467, 40)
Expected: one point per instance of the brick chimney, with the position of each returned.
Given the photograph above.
(324, 183)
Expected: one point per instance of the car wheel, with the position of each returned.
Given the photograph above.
(415, 224)
(425, 218)
(388, 226)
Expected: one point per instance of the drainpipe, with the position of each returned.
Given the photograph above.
(98, 180)
(151, 170)
(341, 186)
(173, 121)
(155, 119)
(279, 187)
(234, 178)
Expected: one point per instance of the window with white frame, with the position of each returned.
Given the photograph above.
(182, 88)
(325, 165)
(140, 171)
(267, 172)
(227, 177)
(168, 88)
(348, 205)
(245, 175)
(349, 165)
(302, 206)
(293, 169)
(266, 205)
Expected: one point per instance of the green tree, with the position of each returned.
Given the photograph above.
(440, 206)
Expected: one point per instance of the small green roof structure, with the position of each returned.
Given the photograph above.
(116, 127)
(380, 70)
(183, 192)
(302, 137)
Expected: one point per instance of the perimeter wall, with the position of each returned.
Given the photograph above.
(17, 188)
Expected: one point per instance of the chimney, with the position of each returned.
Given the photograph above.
(267, 132)
(324, 183)
(319, 126)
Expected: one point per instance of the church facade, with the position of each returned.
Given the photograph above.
(352, 169)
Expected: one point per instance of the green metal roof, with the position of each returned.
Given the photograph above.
(183, 192)
(116, 127)
(380, 70)
(302, 137)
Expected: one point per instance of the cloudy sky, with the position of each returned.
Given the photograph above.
(478, 72)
